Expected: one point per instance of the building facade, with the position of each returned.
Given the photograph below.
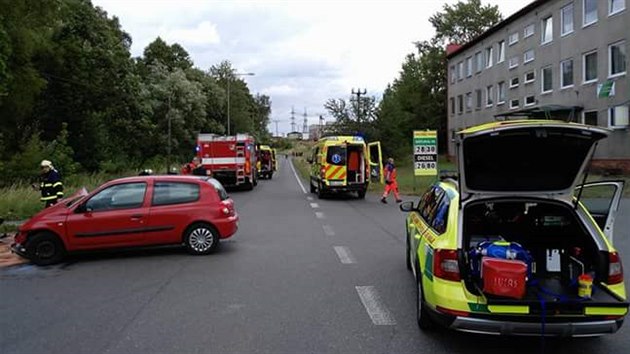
(557, 59)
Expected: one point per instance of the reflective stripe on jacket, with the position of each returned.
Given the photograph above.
(51, 186)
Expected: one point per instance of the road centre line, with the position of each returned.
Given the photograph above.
(296, 177)
(344, 254)
(379, 314)
(319, 215)
(328, 230)
(314, 205)
(309, 198)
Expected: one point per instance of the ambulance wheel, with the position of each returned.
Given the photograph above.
(362, 193)
(422, 314)
(313, 189)
(408, 253)
(320, 190)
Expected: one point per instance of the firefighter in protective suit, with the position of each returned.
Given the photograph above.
(50, 184)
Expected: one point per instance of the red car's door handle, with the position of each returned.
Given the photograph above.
(136, 216)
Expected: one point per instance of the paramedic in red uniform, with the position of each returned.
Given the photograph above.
(390, 181)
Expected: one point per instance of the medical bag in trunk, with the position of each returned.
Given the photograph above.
(504, 277)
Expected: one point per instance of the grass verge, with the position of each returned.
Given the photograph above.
(20, 201)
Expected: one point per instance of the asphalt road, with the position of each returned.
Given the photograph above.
(302, 275)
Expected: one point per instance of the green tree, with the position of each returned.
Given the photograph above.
(25, 42)
(172, 56)
(90, 83)
(417, 98)
(464, 21)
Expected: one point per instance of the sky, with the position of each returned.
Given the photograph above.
(302, 52)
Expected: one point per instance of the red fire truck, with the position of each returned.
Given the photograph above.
(231, 159)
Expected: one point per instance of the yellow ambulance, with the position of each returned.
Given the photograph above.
(344, 164)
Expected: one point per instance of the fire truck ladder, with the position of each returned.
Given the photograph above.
(240, 172)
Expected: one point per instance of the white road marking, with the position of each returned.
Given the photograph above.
(328, 230)
(314, 205)
(297, 178)
(344, 254)
(379, 314)
(309, 198)
(319, 215)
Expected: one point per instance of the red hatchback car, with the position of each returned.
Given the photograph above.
(137, 211)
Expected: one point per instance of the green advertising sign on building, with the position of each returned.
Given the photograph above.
(607, 89)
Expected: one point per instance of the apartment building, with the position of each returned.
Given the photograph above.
(557, 59)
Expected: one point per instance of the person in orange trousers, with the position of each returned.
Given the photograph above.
(390, 181)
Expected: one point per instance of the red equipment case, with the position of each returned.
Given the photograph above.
(502, 277)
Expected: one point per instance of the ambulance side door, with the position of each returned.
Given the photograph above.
(375, 159)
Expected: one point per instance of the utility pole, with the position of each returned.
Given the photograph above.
(321, 126)
(168, 113)
(359, 93)
(305, 126)
(292, 119)
(276, 121)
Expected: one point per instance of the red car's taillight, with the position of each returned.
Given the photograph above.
(445, 265)
(615, 269)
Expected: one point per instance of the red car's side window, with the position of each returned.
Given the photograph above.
(166, 193)
(119, 196)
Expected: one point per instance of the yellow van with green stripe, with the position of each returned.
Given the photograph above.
(344, 164)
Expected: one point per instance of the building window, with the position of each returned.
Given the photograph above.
(528, 56)
(590, 118)
(488, 57)
(616, 6)
(617, 59)
(513, 38)
(530, 77)
(589, 67)
(566, 20)
(452, 105)
(589, 12)
(460, 70)
(469, 101)
(618, 117)
(528, 31)
(514, 103)
(453, 74)
(501, 52)
(489, 96)
(479, 60)
(546, 34)
(513, 62)
(501, 93)
(547, 79)
(469, 67)
(460, 104)
(479, 98)
(566, 73)
(530, 100)
(514, 82)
